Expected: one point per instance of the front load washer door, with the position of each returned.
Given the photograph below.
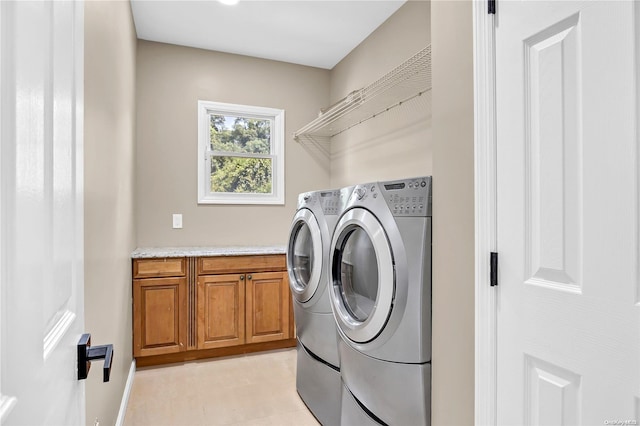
(362, 276)
(304, 255)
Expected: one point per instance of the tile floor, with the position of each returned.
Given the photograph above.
(254, 389)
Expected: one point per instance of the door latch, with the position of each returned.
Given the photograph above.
(493, 275)
(86, 354)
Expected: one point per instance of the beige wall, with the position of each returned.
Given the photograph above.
(453, 213)
(110, 49)
(404, 142)
(434, 135)
(398, 143)
(170, 81)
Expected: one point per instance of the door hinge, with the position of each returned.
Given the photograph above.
(493, 279)
(491, 7)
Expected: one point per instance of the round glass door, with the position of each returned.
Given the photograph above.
(304, 255)
(302, 263)
(362, 276)
(358, 274)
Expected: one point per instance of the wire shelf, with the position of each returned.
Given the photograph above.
(410, 79)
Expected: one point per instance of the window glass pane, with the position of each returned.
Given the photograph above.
(358, 274)
(239, 134)
(241, 175)
(302, 256)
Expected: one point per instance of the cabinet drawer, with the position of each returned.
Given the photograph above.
(165, 267)
(236, 264)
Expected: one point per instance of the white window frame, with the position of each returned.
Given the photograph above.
(276, 116)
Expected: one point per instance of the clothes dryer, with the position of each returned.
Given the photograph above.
(381, 299)
(318, 368)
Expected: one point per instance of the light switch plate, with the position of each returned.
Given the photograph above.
(177, 221)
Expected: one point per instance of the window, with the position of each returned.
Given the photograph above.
(240, 154)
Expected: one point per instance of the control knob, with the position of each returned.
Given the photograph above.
(360, 192)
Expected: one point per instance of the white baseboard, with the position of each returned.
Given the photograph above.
(125, 394)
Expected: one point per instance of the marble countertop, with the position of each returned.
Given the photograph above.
(154, 252)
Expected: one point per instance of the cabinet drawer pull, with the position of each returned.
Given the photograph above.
(241, 277)
(249, 277)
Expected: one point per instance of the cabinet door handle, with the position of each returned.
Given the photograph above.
(241, 277)
(249, 277)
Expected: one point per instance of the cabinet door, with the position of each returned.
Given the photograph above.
(221, 311)
(267, 307)
(159, 316)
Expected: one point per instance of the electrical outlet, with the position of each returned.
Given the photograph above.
(177, 221)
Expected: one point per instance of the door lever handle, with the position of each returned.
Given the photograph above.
(86, 354)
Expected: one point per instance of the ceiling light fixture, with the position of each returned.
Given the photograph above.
(229, 2)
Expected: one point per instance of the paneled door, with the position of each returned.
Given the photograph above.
(160, 316)
(267, 307)
(568, 331)
(41, 212)
(221, 310)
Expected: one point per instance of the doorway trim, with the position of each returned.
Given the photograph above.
(485, 412)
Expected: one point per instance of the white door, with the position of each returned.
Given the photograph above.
(41, 233)
(567, 143)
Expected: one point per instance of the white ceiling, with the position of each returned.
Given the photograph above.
(306, 32)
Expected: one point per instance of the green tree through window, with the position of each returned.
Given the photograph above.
(240, 149)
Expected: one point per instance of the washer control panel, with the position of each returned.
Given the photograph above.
(306, 199)
(408, 197)
(331, 202)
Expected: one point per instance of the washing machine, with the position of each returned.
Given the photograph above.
(318, 367)
(380, 259)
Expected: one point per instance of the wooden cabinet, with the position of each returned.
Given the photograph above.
(250, 305)
(221, 311)
(267, 306)
(159, 316)
(159, 306)
(190, 308)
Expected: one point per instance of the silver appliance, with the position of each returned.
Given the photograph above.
(318, 366)
(381, 298)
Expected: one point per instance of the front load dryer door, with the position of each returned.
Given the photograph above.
(362, 276)
(304, 255)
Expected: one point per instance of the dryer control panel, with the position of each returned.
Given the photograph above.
(408, 197)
